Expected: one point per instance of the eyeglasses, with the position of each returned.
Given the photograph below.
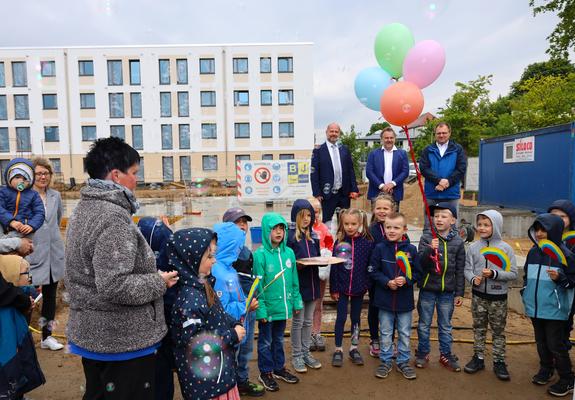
(42, 174)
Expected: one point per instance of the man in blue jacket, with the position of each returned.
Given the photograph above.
(332, 175)
(443, 164)
(387, 168)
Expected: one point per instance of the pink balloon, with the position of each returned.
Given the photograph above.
(424, 63)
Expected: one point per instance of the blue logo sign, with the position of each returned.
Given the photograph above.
(248, 178)
(248, 167)
(277, 189)
(277, 178)
(276, 166)
(249, 190)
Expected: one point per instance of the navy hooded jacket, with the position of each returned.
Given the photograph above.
(353, 281)
(568, 208)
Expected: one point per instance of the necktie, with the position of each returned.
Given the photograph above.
(336, 167)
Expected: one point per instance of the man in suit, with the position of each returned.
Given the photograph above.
(332, 175)
(387, 168)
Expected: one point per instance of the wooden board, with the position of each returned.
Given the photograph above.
(320, 260)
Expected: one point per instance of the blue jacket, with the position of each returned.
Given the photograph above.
(452, 166)
(375, 169)
(351, 278)
(230, 243)
(568, 208)
(383, 268)
(308, 275)
(542, 297)
(322, 175)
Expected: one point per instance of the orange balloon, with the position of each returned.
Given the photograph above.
(401, 103)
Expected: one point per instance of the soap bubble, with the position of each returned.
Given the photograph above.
(110, 387)
(343, 250)
(204, 355)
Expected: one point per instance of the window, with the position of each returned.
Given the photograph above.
(265, 65)
(2, 75)
(56, 165)
(182, 69)
(115, 73)
(184, 135)
(86, 68)
(88, 133)
(51, 134)
(164, 72)
(208, 99)
(185, 168)
(242, 130)
(87, 100)
(137, 137)
(4, 140)
(240, 65)
(116, 105)
(167, 143)
(165, 104)
(135, 77)
(285, 64)
(266, 97)
(23, 139)
(285, 97)
(21, 106)
(207, 66)
(183, 104)
(286, 157)
(210, 163)
(209, 131)
(136, 105)
(140, 173)
(49, 102)
(3, 108)
(242, 157)
(19, 76)
(118, 131)
(267, 157)
(267, 130)
(241, 98)
(168, 169)
(286, 129)
(48, 68)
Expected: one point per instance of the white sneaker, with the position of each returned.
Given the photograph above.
(51, 343)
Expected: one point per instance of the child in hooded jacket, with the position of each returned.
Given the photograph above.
(304, 243)
(489, 283)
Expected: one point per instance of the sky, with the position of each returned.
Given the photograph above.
(480, 37)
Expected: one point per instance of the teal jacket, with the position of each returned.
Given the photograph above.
(278, 300)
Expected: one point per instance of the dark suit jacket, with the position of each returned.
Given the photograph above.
(375, 170)
(322, 176)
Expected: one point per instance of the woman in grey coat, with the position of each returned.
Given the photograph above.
(47, 261)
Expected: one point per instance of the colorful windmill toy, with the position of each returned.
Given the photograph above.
(402, 260)
(497, 257)
(569, 238)
(553, 251)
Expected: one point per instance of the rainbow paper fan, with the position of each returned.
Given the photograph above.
(497, 257)
(402, 260)
(569, 238)
(553, 251)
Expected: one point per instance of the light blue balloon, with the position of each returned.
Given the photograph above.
(369, 86)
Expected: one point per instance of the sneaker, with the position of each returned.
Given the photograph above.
(51, 343)
(355, 357)
(269, 382)
(561, 388)
(374, 349)
(311, 362)
(500, 370)
(383, 370)
(449, 361)
(319, 342)
(406, 370)
(421, 361)
(337, 359)
(251, 389)
(542, 377)
(285, 376)
(474, 365)
(298, 364)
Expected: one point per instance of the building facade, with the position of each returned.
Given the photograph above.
(191, 111)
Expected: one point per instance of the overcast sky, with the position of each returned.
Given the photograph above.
(480, 37)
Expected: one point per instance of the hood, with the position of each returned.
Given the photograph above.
(553, 224)
(116, 196)
(270, 220)
(19, 166)
(496, 221)
(230, 243)
(156, 234)
(568, 208)
(185, 250)
(302, 204)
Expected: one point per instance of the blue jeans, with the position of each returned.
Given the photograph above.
(426, 305)
(245, 349)
(271, 355)
(387, 320)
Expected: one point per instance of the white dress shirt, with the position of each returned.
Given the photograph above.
(336, 163)
(388, 164)
(442, 147)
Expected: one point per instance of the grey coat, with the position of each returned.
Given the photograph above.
(48, 255)
(115, 290)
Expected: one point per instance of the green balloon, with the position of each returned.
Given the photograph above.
(392, 43)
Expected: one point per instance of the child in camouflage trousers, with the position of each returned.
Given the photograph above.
(489, 287)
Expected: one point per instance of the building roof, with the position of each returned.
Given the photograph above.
(421, 121)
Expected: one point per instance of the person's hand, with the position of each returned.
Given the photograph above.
(435, 243)
(458, 301)
(32, 304)
(16, 225)
(296, 311)
(444, 182)
(388, 188)
(439, 188)
(353, 195)
(400, 281)
(319, 198)
(263, 321)
(25, 229)
(553, 274)
(477, 280)
(26, 247)
(170, 278)
(392, 284)
(334, 296)
(240, 331)
(254, 304)
(487, 273)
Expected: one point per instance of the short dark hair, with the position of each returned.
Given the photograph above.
(439, 125)
(387, 129)
(107, 154)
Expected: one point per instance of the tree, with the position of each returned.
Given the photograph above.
(358, 150)
(553, 67)
(562, 39)
(376, 127)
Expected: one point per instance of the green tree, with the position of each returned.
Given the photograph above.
(553, 67)
(376, 127)
(425, 139)
(562, 39)
(358, 150)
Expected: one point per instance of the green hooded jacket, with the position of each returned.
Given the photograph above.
(280, 298)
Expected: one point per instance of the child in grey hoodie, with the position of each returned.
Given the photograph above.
(489, 280)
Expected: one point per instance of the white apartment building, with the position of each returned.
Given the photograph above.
(190, 110)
